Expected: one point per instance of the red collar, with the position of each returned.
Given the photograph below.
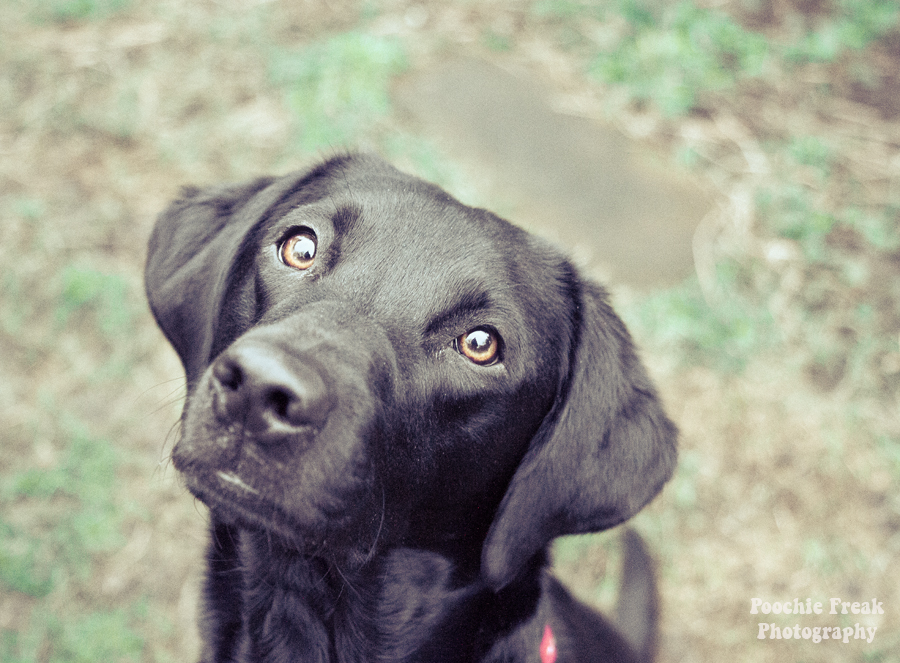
(548, 646)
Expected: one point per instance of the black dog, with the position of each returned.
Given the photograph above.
(395, 402)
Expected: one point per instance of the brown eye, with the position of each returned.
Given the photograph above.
(480, 346)
(299, 251)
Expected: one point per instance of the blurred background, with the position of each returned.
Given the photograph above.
(730, 168)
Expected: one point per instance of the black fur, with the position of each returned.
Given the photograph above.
(375, 495)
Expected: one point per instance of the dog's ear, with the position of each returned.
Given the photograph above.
(604, 451)
(192, 252)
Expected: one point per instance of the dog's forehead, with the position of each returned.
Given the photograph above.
(415, 232)
(426, 225)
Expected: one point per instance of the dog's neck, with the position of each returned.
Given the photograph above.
(404, 605)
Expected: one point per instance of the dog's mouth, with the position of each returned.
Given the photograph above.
(233, 499)
(236, 481)
(236, 498)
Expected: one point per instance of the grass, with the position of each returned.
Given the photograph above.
(68, 11)
(63, 513)
(853, 25)
(724, 336)
(671, 60)
(62, 517)
(337, 90)
(97, 636)
(80, 517)
(675, 55)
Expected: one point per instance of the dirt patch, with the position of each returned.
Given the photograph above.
(584, 184)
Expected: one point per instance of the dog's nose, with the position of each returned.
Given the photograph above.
(273, 395)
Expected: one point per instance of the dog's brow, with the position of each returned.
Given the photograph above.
(467, 302)
(344, 218)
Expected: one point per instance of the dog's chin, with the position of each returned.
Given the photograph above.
(234, 502)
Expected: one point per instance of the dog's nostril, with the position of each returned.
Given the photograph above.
(278, 401)
(229, 374)
(302, 401)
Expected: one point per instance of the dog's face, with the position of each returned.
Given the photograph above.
(372, 364)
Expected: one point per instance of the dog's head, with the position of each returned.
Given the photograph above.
(371, 363)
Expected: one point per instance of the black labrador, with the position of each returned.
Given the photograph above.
(395, 402)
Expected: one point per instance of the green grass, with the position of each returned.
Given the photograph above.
(725, 334)
(63, 11)
(675, 56)
(853, 25)
(62, 325)
(99, 636)
(338, 89)
(671, 58)
(103, 635)
(76, 515)
(104, 297)
(338, 92)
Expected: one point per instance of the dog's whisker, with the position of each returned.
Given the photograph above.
(346, 584)
(171, 398)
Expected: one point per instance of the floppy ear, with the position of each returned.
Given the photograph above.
(602, 454)
(191, 254)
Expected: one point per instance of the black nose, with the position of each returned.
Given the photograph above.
(272, 394)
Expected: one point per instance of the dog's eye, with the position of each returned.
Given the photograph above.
(480, 346)
(299, 250)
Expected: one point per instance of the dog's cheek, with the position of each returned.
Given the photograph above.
(467, 446)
